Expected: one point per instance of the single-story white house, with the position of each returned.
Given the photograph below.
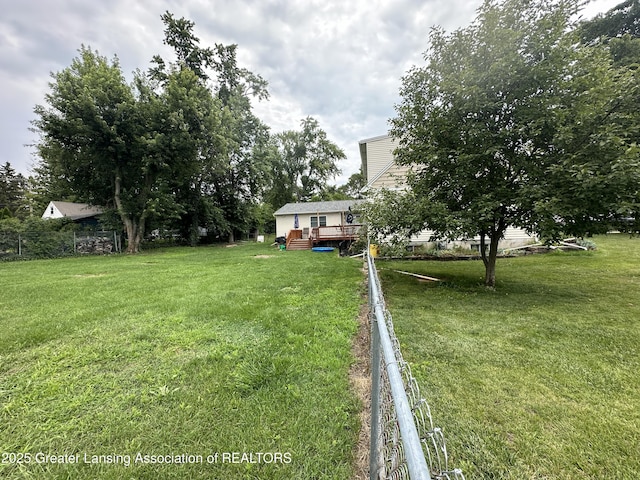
(308, 224)
(381, 171)
(78, 212)
(309, 215)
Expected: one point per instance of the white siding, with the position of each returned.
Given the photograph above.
(284, 223)
(513, 237)
(379, 153)
(393, 178)
(52, 211)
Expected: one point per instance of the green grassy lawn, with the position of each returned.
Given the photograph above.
(539, 378)
(202, 352)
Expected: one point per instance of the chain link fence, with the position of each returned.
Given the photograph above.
(405, 444)
(44, 244)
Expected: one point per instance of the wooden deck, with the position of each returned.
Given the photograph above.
(339, 232)
(307, 238)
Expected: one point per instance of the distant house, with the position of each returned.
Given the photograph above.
(82, 213)
(382, 171)
(309, 223)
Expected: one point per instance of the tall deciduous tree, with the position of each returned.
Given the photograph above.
(90, 141)
(307, 161)
(121, 146)
(513, 122)
(355, 184)
(221, 195)
(619, 30)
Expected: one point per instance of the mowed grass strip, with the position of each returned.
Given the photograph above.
(538, 378)
(184, 351)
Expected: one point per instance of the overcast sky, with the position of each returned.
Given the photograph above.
(338, 61)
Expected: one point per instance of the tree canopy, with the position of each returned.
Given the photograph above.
(621, 20)
(122, 146)
(305, 162)
(514, 122)
(180, 147)
(223, 192)
(13, 190)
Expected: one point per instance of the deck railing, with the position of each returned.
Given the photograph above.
(336, 232)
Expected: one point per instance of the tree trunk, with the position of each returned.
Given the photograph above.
(194, 231)
(490, 260)
(490, 268)
(133, 244)
(134, 227)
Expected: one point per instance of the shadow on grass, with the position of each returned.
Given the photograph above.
(514, 290)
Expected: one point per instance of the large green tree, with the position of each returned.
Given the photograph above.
(305, 163)
(513, 122)
(118, 145)
(355, 184)
(222, 194)
(619, 30)
(88, 134)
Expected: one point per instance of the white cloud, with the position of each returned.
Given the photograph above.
(340, 62)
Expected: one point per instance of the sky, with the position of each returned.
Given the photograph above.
(340, 62)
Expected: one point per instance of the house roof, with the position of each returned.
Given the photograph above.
(76, 211)
(317, 207)
(373, 139)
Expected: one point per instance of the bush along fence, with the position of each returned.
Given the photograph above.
(47, 244)
(404, 442)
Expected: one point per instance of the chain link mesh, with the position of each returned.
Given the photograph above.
(392, 463)
(50, 244)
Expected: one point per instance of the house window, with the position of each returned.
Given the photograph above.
(321, 223)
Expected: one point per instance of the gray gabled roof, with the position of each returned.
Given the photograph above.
(318, 207)
(373, 139)
(76, 211)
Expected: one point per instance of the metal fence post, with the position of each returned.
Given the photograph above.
(404, 442)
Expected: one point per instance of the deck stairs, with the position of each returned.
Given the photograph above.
(299, 244)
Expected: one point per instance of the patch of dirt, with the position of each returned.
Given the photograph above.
(360, 380)
(263, 256)
(90, 275)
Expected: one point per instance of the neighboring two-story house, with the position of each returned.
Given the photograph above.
(381, 171)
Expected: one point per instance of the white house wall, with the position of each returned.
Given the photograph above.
(379, 153)
(513, 237)
(52, 212)
(393, 178)
(284, 223)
